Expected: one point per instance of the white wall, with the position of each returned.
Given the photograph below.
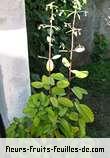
(14, 66)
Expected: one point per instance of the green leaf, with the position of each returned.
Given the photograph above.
(56, 57)
(65, 62)
(47, 128)
(52, 82)
(65, 128)
(73, 116)
(37, 84)
(47, 82)
(75, 130)
(79, 92)
(47, 87)
(62, 111)
(63, 84)
(11, 130)
(44, 99)
(82, 127)
(51, 115)
(54, 101)
(85, 112)
(80, 74)
(32, 105)
(65, 102)
(45, 79)
(36, 121)
(41, 114)
(34, 131)
(57, 134)
(33, 101)
(58, 91)
(58, 76)
(30, 111)
(41, 130)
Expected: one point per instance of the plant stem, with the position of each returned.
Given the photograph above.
(71, 51)
(50, 40)
(50, 44)
(72, 45)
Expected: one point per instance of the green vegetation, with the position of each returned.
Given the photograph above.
(100, 47)
(51, 113)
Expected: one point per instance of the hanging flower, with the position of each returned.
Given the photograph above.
(50, 65)
(79, 49)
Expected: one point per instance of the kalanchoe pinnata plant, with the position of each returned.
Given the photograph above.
(51, 112)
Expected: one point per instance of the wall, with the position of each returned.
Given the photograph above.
(97, 20)
(14, 67)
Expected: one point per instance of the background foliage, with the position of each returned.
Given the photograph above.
(100, 48)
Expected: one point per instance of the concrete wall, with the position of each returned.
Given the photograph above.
(97, 20)
(14, 67)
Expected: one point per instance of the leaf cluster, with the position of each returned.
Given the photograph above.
(50, 113)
